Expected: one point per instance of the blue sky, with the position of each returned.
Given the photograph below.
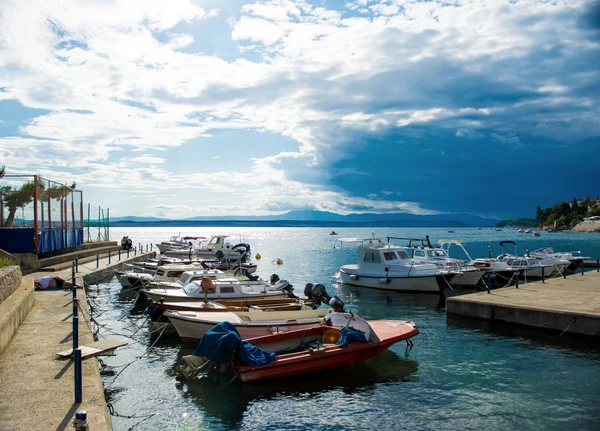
(225, 107)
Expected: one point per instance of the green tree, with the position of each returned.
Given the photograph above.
(538, 213)
(16, 198)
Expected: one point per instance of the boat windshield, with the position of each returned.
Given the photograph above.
(192, 288)
(546, 250)
(437, 253)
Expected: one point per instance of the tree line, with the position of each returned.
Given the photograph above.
(564, 215)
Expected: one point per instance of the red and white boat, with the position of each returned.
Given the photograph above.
(318, 351)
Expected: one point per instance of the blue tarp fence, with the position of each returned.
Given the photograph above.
(20, 240)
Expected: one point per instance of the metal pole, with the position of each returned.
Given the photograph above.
(109, 257)
(76, 264)
(135, 251)
(565, 271)
(543, 281)
(49, 209)
(35, 215)
(119, 254)
(76, 349)
(582, 267)
(78, 378)
(489, 283)
(517, 279)
(97, 260)
(597, 265)
(81, 210)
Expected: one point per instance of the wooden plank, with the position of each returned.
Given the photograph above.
(102, 347)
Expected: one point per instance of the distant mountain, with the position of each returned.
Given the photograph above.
(137, 219)
(318, 218)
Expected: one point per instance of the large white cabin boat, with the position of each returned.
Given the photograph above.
(381, 265)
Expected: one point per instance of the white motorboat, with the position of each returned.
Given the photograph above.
(495, 270)
(192, 325)
(222, 290)
(381, 265)
(197, 275)
(575, 258)
(216, 247)
(528, 266)
(133, 279)
(467, 275)
(178, 241)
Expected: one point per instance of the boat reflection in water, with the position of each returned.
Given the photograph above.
(229, 403)
(372, 303)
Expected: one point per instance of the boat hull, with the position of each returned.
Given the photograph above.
(191, 331)
(468, 278)
(326, 357)
(175, 295)
(427, 283)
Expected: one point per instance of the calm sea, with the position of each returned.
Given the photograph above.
(458, 376)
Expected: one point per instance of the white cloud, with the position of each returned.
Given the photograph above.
(123, 86)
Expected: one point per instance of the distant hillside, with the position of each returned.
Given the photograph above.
(316, 218)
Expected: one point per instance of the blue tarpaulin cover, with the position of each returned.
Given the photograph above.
(221, 339)
(348, 334)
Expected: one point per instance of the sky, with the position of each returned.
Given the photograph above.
(224, 107)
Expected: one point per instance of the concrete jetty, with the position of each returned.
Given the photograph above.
(570, 305)
(37, 387)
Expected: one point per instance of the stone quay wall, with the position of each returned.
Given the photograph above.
(10, 279)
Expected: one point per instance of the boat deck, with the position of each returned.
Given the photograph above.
(570, 305)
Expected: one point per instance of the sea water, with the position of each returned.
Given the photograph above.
(459, 375)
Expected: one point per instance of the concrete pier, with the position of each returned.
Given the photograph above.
(37, 388)
(570, 305)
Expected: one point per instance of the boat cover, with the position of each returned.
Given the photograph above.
(348, 334)
(219, 341)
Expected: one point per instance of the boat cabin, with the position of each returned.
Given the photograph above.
(226, 287)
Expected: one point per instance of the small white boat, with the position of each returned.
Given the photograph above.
(466, 275)
(528, 266)
(222, 290)
(216, 247)
(177, 241)
(169, 273)
(195, 275)
(536, 233)
(575, 258)
(192, 325)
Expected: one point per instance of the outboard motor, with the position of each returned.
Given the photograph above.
(319, 292)
(336, 304)
(273, 279)
(285, 286)
(318, 295)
